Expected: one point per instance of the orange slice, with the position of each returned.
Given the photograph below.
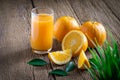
(76, 41)
(82, 60)
(60, 57)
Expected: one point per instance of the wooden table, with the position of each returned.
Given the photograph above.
(15, 50)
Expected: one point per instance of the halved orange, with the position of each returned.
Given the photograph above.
(76, 41)
(60, 57)
(83, 61)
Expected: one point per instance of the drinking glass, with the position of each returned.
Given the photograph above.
(41, 39)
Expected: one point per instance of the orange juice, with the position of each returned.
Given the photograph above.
(41, 32)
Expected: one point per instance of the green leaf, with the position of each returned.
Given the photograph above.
(119, 62)
(119, 75)
(93, 63)
(59, 72)
(105, 62)
(37, 62)
(95, 56)
(70, 66)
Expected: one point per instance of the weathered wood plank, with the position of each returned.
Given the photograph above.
(41, 73)
(61, 8)
(114, 6)
(97, 11)
(14, 40)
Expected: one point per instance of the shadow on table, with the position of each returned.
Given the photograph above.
(56, 45)
(13, 64)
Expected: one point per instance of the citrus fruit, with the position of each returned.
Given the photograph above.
(63, 25)
(82, 60)
(95, 32)
(60, 57)
(76, 41)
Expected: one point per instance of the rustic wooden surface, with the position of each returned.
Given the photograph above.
(15, 24)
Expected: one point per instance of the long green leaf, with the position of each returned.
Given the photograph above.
(93, 63)
(105, 62)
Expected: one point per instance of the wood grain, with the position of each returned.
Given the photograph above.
(14, 44)
(114, 6)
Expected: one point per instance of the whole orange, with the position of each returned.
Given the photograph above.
(95, 32)
(63, 25)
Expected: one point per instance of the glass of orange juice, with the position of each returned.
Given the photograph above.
(41, 39)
